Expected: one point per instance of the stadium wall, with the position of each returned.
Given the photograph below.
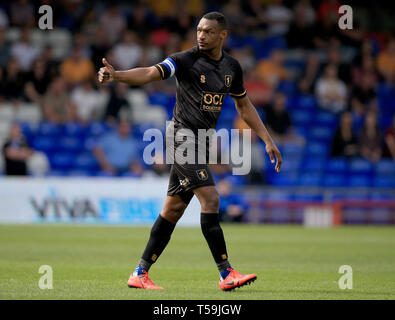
(87, 200)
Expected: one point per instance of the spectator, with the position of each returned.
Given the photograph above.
(390, 140)
(231, 208)
(86, 101)
(22, 13)
(363, 96)
(99, 47)
(369, 139)
(13, 81)
(77, 69)
(386, 62)
(37, 81)
(326, 33)
(4, 48)
(343, 69)
(16, 153)
(118, 153)
(330, 91)
(3, 91)
(279, 122)
(3, 19)
(128, 53)
(271, 70)
(309, 79)
(113, 17)
(278, 18)
(367, 66)
(299, 34)
(56, 103)
(344, 143)
(328, 8)
(116, 103)
(25, 51)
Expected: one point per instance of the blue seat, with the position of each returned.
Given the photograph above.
(44, 143)
(336, 165)
(314, 165)
(326, 118)
(334, 180)
(360, 165)
(316, 149)
(310, 179)
(74, 129)
(96, 129)
(85, 161)
(359, 180)
(62, 161)
(285, 179)
(70, 144)
(384, 182)
(385, 166)
(49, 128)
(321, 133)
(301, 117)
(306, 101)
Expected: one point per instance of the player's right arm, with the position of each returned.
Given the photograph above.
(135, 77)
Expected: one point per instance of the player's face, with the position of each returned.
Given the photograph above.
(210, 35)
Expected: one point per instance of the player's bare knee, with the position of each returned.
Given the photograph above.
(210, 202)
(173, 213)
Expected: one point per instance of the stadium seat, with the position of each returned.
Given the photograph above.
(334, 180)
(310, 179)
(359, 180)
(301, 117)
(316, 149)
(44, 143)
(336, 165)
(70, 144)
(313, 165)
(385, 166)
(360, 165)
(85, 161)
(49, 129)
(384, 182)
(321, 133)
(326, 118)
(62, 161)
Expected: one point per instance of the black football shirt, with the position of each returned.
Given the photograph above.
(202, 85)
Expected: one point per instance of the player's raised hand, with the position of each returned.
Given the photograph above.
(106, 73)
(273, 151)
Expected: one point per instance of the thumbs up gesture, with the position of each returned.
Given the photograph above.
(106, 73)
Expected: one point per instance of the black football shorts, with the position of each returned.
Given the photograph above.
(184, 177)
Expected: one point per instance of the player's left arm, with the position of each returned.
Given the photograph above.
(249, 114)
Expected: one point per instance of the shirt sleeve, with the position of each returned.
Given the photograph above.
(237, 89)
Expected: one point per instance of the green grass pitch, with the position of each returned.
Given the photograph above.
(292, 262)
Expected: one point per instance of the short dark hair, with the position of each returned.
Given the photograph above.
(217, 16)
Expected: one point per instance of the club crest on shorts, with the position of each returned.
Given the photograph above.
(228, 80)
(202, 174)
(184, 182)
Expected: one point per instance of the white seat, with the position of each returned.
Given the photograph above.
(7, 113)
(29, 112)
(137, 98)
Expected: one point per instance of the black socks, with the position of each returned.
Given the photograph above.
(160, 235)
(215, 239)
(161, 232)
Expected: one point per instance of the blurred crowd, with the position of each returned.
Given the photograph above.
(286, 49)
